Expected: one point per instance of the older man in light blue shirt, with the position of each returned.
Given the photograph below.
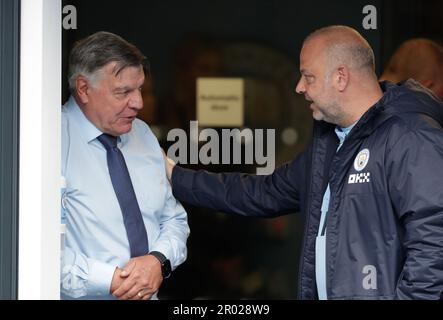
(106, 74)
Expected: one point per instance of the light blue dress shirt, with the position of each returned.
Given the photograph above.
(96, 241)
(320, 243)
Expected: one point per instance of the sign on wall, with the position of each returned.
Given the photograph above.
(220, 102)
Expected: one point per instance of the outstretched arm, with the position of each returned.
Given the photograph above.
(243, 194)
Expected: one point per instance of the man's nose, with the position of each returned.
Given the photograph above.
(300, 88)
(136, 100)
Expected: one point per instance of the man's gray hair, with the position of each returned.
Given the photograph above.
(352, 54)
(91, 54)
(345, 45)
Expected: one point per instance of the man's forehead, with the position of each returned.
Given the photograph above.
(305, 60)
(113, 68)
(313, 45)
(129, 74)
(123, 81)
(311, 52)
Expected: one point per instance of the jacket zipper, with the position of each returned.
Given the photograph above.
(307, 224)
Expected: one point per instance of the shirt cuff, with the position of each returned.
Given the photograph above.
(100, 278)
(163, 249)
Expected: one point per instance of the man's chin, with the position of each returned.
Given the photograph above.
(317, 116)
(123, 129)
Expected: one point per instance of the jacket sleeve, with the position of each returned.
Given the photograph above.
(415, 182)
(243, 194)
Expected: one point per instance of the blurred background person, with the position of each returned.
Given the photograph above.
(420, 59)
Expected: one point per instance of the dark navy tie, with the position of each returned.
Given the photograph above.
(121, 181)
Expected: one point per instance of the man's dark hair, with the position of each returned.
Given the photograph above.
(97, 50)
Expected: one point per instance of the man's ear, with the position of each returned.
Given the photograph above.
(82, 87)
(342, 77)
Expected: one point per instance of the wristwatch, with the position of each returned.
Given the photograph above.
(165, 263)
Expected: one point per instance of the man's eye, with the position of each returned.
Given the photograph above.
(309, 79)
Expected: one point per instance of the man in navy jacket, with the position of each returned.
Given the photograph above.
(370, 184)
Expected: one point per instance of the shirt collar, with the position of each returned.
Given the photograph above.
(342, 133)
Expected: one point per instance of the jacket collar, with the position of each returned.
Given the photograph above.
(369, 121)
(411, 97)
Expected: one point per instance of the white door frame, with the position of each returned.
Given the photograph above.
(40, 149)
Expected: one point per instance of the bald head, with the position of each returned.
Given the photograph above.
(337, 75)
(343, 45)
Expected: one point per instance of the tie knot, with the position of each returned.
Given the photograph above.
(108, 141)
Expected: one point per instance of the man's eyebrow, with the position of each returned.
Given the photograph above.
(122, 88)
(306, 73)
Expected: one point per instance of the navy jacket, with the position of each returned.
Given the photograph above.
(384, 235)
